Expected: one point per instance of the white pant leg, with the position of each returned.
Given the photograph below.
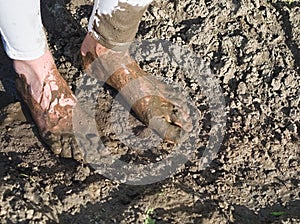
(22, 30)
(106, 7)
(114, 23)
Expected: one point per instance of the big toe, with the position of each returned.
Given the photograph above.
(170, 132)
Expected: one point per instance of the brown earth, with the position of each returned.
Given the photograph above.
(252, 46)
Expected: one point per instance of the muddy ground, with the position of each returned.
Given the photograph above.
(252, 46)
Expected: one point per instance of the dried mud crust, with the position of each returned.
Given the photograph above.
(252, 47)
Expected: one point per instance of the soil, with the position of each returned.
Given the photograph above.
(252, 47)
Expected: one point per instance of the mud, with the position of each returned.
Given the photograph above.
(252, 46)
(119, 32)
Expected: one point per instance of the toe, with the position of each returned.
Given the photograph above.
(180, 117)
(169, 132)
(66, 151)
(77, 153)
(54, 142)
(56, 148)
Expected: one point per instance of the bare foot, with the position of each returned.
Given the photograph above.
(155, 104)
(50, 101)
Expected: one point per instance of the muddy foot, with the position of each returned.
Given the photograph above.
(55, 121)
(157, 105)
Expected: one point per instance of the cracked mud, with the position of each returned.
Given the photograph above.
(252, 46)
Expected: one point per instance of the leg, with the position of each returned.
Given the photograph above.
(46, 94)
(112, 28)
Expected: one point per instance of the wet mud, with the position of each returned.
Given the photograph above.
(253, 49)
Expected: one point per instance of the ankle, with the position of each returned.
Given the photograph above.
(35, 70)
(34, 73)
(91, 45)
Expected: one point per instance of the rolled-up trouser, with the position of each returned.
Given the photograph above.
(113, 23)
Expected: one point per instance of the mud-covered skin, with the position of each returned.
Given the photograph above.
(158, 106)
(254, 179)
(55, 121)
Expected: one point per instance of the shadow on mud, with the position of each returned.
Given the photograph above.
(14, 172)
(272, 214)
(288, 29)
(113, 207)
